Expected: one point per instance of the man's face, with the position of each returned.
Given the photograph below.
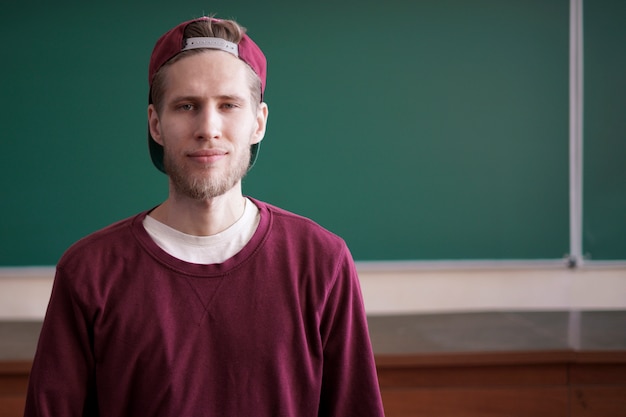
(207, 123)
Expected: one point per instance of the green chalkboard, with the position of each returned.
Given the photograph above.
(417, 130)
(604, 233)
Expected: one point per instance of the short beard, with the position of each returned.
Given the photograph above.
(208, 186)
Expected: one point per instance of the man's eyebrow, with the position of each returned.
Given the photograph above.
(231, 97)
(183, 98)
(221, 97)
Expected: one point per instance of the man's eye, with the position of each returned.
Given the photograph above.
(186, 107)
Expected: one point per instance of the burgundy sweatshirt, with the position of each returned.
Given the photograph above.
(279, 329)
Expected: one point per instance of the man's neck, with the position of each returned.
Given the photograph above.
(201, 217)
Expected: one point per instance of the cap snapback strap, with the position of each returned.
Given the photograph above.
(211, 43)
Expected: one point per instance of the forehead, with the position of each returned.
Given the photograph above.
(207, 71)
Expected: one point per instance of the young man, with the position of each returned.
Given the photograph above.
(212, 303)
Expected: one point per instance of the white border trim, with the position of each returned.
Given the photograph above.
(445, 291)
(576, 132)
(459, 265)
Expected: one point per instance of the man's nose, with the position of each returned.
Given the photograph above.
(209, 124)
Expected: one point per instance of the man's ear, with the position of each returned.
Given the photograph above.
(154, 124)
(261, 123)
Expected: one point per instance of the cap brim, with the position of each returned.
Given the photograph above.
(156, 153)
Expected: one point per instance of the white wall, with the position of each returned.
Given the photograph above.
(395, 288)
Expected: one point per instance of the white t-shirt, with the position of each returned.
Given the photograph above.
(205, 249)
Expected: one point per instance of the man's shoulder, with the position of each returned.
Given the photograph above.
(300, 227)
(107, 239)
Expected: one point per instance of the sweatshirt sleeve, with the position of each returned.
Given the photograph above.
(350, 384)
(61, 379)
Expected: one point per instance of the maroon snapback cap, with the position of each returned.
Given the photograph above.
(172, 43)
